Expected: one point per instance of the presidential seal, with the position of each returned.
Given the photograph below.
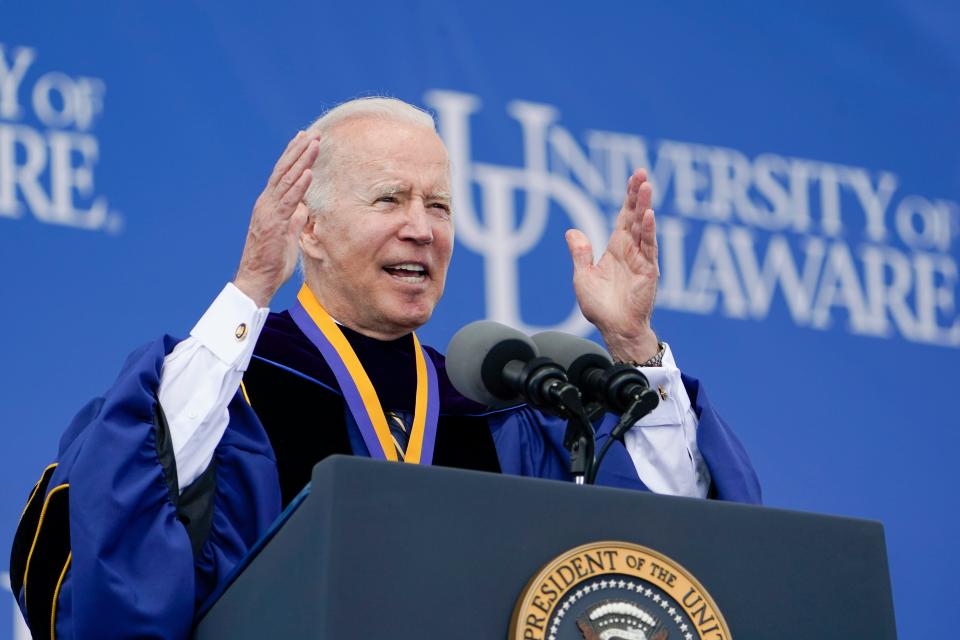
(616, 591)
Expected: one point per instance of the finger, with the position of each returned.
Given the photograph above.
(644, 196)
(634, 184)
(648, 236)
(288, 157)
(294, 196)
(627, 218)
(640, 174)
(581, 252)
(629, 201)
(305, 161)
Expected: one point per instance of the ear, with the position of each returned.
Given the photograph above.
(311, 238)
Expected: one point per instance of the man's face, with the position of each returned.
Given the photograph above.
(378, 260)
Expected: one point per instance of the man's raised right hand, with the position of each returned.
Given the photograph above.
(279, 215)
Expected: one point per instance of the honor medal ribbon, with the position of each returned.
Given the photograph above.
(358, 391)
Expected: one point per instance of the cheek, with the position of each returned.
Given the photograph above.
(445, 244)
(443, 264)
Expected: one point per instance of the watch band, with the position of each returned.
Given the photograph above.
(655, 361)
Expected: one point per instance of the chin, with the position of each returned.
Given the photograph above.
(412, 319)
(415, 322)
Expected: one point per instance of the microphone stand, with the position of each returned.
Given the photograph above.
(545, 385)
(579, 439)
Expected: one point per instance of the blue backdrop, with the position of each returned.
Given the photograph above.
(807, 172)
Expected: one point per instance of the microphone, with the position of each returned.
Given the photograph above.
(619, 387)
(589, 367)
(498, 366)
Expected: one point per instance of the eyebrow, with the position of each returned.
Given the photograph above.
(394, 188)
(390, 188)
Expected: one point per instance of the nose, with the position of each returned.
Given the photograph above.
(417, 225)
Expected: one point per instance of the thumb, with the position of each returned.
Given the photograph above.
(580, 250)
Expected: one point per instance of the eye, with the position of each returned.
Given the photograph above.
(442, 206)
(388, 199)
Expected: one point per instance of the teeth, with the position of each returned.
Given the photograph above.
(409, 266)
(407, 272)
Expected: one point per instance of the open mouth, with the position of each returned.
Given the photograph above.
(412, 272)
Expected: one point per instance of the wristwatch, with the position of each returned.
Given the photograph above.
(655, 361)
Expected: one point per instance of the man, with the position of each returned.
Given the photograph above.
(165, 483)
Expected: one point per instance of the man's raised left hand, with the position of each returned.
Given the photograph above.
(617, 293)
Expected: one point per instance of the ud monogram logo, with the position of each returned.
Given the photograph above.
(616, 591)
(502, 235)
(840, 245)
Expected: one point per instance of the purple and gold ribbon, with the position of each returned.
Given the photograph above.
(358, 391)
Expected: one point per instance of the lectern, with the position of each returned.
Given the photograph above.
(386, 550)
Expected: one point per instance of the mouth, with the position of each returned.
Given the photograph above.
(408, 272)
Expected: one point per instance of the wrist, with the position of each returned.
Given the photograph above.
(258, 292)
(632, 348)
(655, 361)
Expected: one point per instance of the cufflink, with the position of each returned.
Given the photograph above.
(241, 331)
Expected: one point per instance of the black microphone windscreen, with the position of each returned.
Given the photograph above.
(572, 352)
(476, 356)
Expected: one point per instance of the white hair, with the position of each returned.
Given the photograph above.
(320, 195)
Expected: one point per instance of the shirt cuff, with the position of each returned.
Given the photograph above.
(674, 401)
(230, 327)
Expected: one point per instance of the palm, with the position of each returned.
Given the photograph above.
(617, 293)
(279, 215)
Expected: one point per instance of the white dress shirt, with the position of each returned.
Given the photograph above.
(202, 374)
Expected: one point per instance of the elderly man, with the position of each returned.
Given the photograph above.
(164, 483)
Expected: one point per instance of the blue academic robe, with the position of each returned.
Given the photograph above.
(113, 551)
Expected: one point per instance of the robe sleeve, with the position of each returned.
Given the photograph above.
(732, 474)
(140, 559)
(529, 443)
